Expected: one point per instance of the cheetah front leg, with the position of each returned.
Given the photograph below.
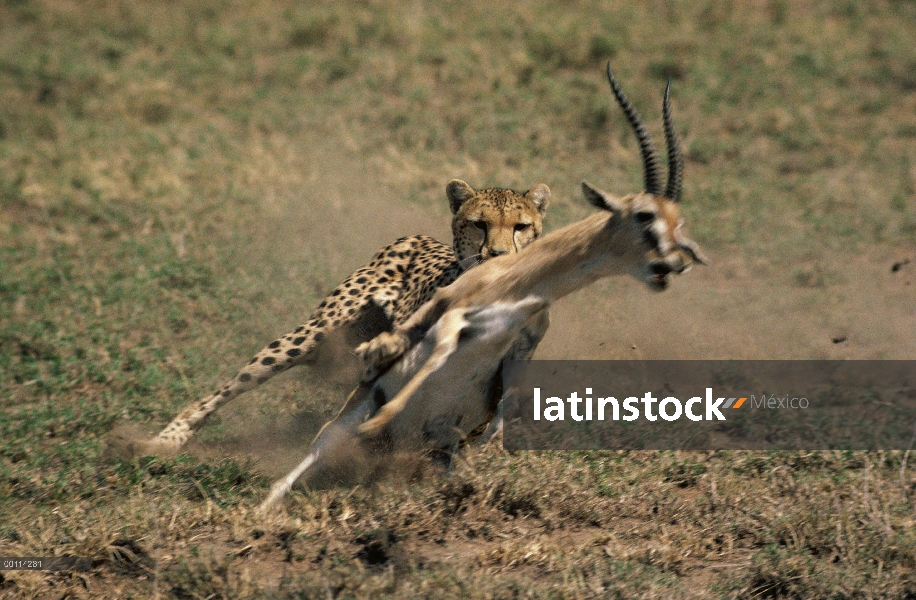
(383, 350)
(360, 312)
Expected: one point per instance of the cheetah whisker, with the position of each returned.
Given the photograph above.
(470, 261)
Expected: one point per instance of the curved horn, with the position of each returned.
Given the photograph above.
(649, 154)
(675, 159)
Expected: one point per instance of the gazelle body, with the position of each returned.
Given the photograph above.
(442, 410)
(639, 234)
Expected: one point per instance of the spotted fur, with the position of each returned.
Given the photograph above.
(383, 294)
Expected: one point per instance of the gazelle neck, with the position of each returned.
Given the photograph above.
(570, 258)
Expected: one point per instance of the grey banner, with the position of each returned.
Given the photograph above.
(710, 405)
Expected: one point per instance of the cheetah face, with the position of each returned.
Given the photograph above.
(654, 227)
(494, 221)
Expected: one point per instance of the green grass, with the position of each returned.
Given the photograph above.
(179, 182)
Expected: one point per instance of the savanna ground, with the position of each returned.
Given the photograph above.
(182, 181)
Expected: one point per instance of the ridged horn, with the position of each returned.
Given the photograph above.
(646, 147)
(675, 158)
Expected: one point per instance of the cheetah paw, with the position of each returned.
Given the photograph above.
(127, 442)
(384, 349)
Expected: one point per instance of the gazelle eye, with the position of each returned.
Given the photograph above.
(644, 216)
(522, 226)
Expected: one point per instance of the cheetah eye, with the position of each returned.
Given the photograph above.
(480, 225)
(522, 226)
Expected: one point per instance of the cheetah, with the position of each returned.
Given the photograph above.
(380, 296)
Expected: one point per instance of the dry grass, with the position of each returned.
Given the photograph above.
(181, 181)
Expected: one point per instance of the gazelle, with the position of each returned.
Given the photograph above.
(429, 368)
(639, 234)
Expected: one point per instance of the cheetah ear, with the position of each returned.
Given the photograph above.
(458, 193)
(602, 199)
(539, 195)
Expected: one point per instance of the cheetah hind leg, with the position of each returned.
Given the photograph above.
(305, 345)
(262, 367)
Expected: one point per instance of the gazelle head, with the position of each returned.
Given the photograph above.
(651, 218)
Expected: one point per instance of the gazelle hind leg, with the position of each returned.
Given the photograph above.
(334, 436)
(282, 487)
(522, 350)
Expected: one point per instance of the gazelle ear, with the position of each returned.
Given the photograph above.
(691, 248)
(601, 199)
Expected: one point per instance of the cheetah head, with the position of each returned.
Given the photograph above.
(494, 221)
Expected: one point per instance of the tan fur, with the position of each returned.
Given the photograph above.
(611, 242)
(383, 294)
